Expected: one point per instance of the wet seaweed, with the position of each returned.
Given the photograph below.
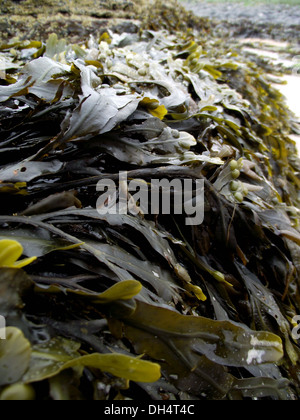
(211, 307)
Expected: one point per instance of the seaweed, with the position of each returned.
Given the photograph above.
(104, 302)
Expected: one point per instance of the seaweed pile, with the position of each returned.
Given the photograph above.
(126, 306)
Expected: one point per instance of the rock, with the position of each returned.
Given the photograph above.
(36, 19)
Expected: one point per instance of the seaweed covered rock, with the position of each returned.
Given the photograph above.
(76, 20)
(30, 19)
(212, 307)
